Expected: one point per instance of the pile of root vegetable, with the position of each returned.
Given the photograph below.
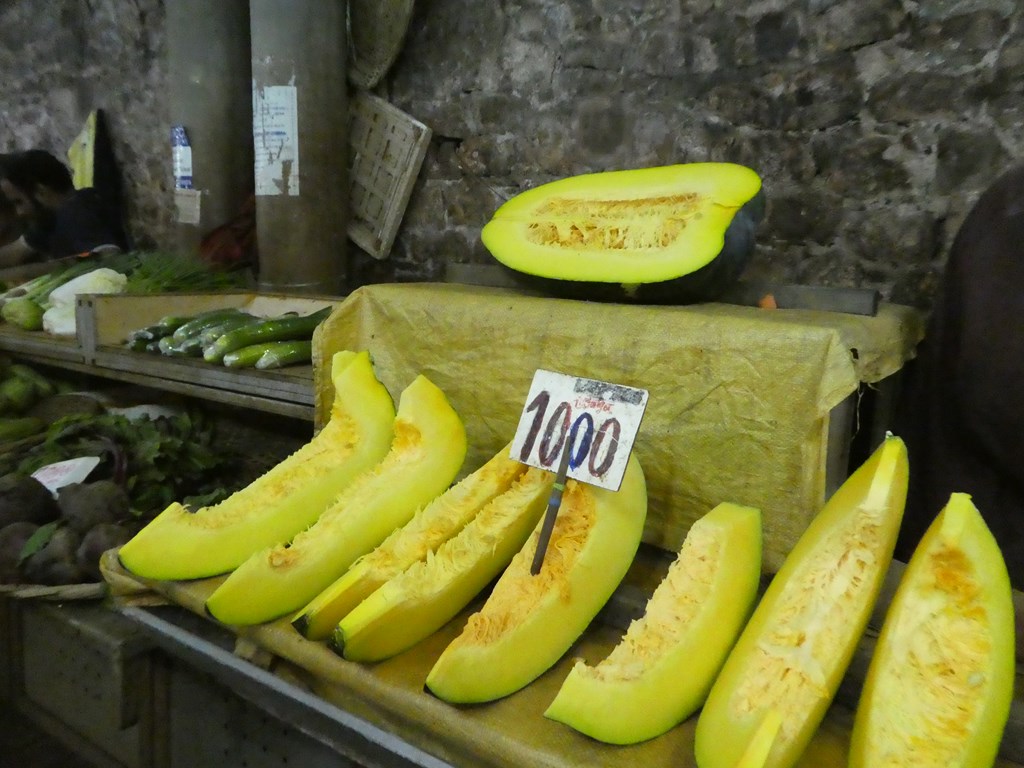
(146, 458)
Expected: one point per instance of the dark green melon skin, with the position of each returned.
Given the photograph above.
(708, 283)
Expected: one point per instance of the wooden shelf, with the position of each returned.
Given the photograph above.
(285, 392)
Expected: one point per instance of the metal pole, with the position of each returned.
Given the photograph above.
(300, 133)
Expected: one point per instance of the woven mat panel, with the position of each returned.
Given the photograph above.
(376, 31)
(387, 148)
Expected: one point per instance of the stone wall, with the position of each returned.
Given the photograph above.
(874, 123)
(60, 59)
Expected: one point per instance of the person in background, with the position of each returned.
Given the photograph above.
(57, 220)
(10, 223)
(961, 411)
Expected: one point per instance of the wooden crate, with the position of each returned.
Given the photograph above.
(104, 322)
(84, 674)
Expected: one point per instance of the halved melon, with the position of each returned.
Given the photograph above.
(431, 592)
(661, 671)
(181, 544)
(428, 449)
(940, 683)
(677, 233)
(529, 621)
(795, 650)
(437, 522)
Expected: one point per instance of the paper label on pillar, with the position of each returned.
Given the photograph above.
(275, 133)
(188, 202)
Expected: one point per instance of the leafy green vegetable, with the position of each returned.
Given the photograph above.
(23, 312)
(37, 540)
(159, 272)
(158, 461)
(147, 271)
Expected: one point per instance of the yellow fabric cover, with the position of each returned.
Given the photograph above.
(739, 397)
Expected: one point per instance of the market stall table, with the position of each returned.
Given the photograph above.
(743, 407)
(384, 708)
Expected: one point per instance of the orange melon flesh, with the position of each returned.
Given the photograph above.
(431, 592)
(798, 644)
(940, 683)
(529, 621)
(182, 544)
(435, 524)
(661, 671)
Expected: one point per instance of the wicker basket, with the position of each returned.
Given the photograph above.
(376, 31)
(387, 148)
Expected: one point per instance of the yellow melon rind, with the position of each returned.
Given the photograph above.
(940, 683)
(431, 592)
(529, 621)
(660, 672)
(427, 451)
(801, 637)
(183, 544)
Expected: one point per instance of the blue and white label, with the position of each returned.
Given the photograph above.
(181, 157)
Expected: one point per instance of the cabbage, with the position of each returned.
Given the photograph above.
(23, 312)
(102, 280)
(59, 318)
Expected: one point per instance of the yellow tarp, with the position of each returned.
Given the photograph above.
(739, 397)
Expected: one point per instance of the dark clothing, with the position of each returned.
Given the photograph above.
(962, 410)
(82, 223)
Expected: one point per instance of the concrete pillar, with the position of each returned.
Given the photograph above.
(210, 82)
(300, 133)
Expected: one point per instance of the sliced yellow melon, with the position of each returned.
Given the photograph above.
(431, 592)
(181, 544)
(760, 746)
(529, 621)
(794, 651)
(437, 522)
(661, 671)
(940, 683)
(428, 449)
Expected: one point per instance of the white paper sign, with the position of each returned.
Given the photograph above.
(275, 133)
(600, 419)
(68, 472)
(187, 204)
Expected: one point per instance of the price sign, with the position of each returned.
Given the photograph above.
(598, 420)
(67, 472)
